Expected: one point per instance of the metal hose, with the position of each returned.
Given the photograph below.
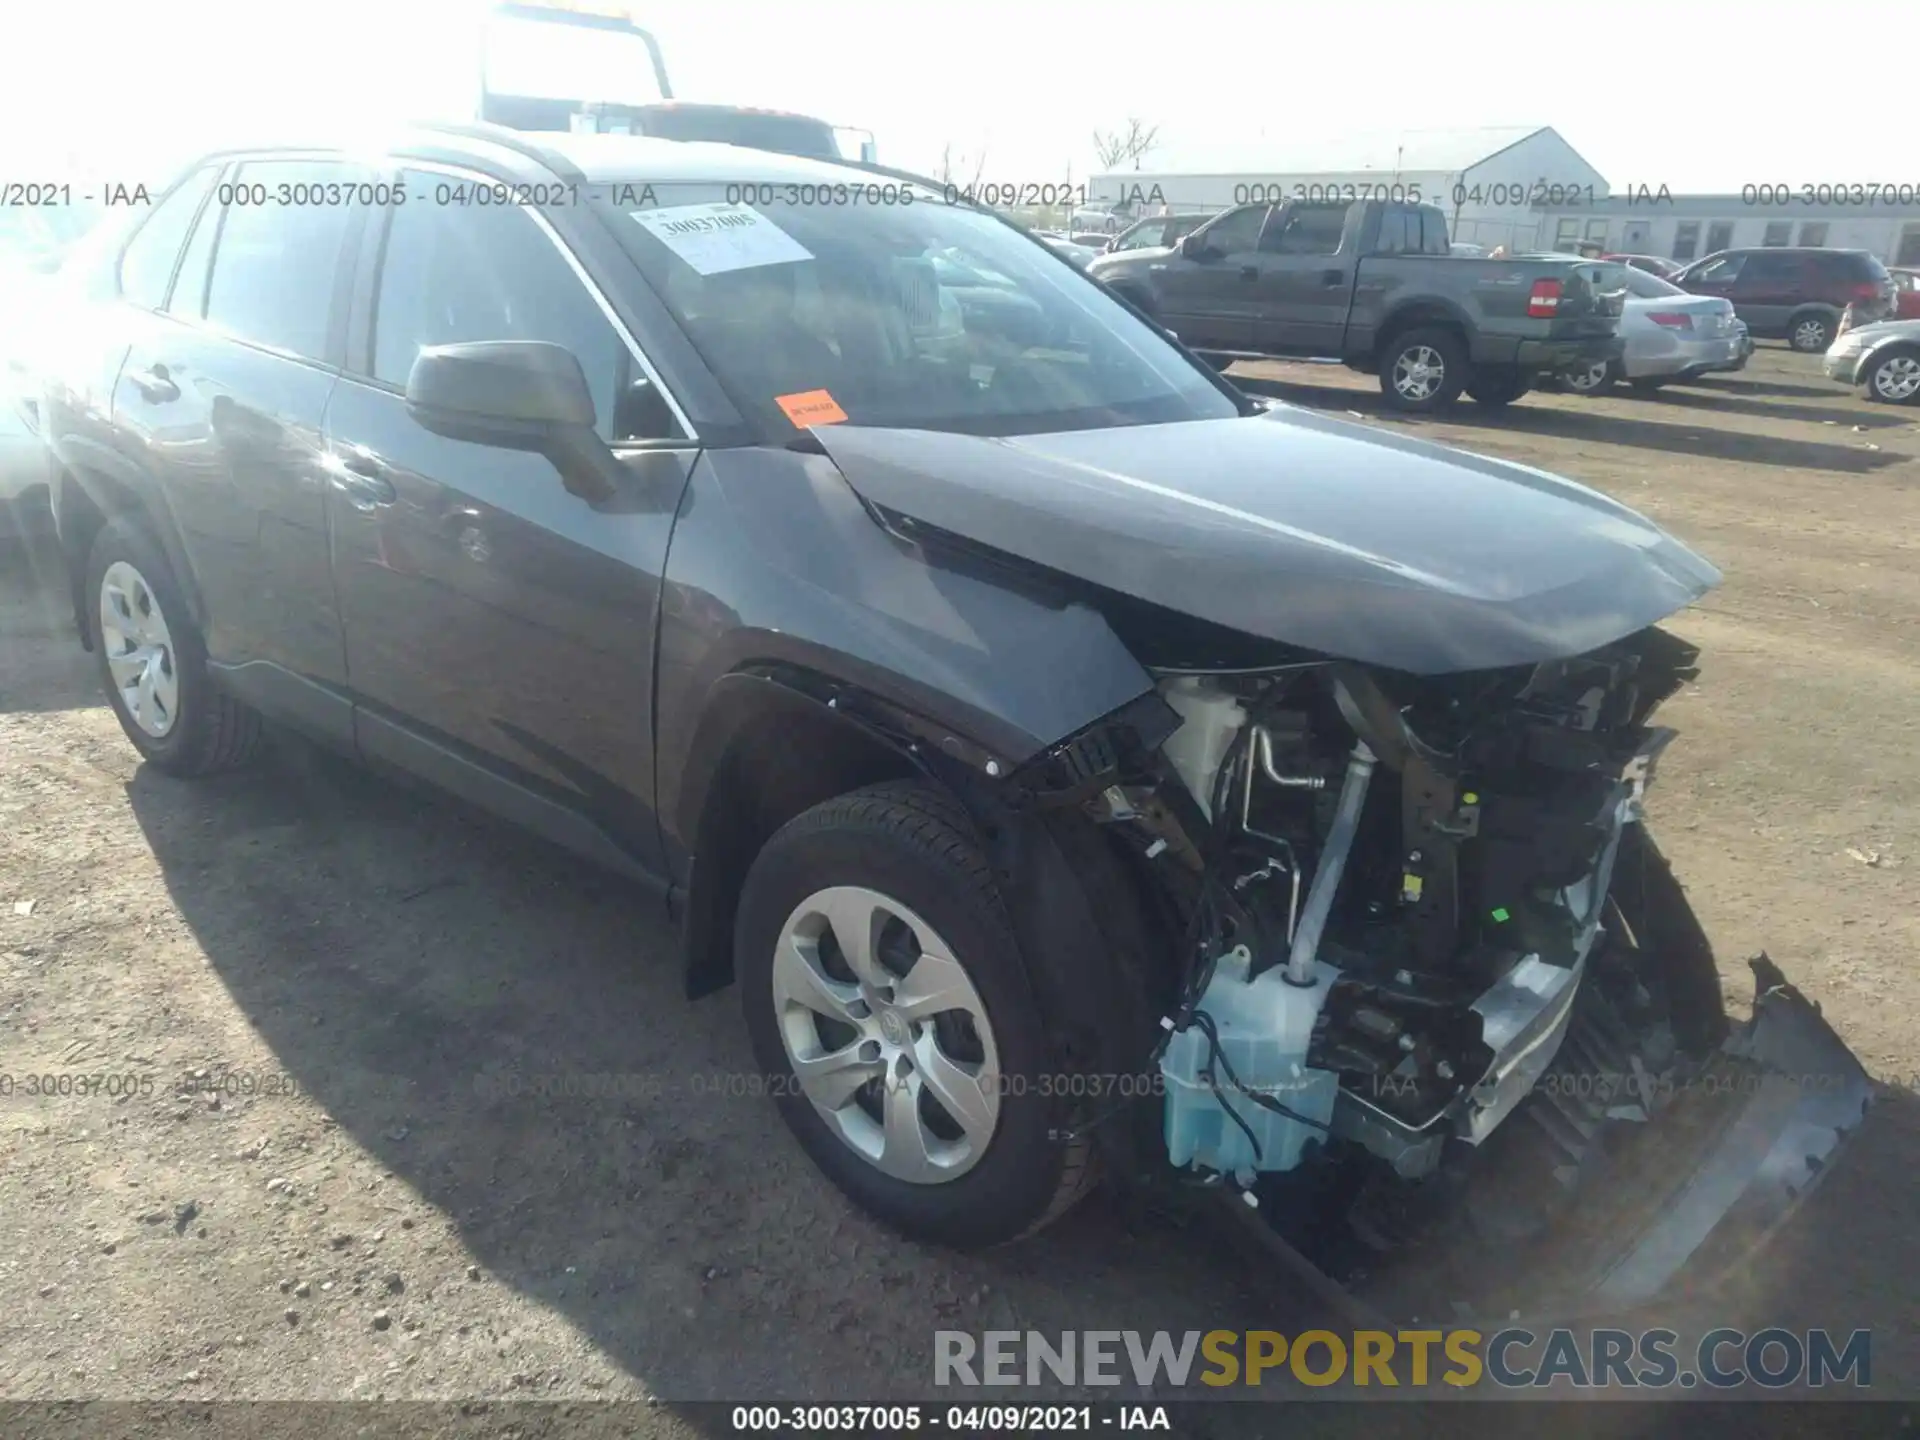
(1333, 861)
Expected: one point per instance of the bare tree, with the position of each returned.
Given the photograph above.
(1128, 146)
(952, 165)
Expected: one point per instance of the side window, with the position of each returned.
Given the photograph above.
(1433, 230)
(1237, 230)
(1764, 269)
(1722, 271)
(275, 262)
(146, 265)
(1394, 231)
(1306, 230)
(189, 298)
(451, 274)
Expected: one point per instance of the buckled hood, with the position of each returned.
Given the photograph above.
(1295, 527)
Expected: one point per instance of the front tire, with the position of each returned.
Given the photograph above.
(1423, 370)
(1810, 332)
(890, 1011)
(154, 663)
(1895, 378)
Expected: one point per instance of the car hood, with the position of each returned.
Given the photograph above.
(1299, 528)
(1883, 330)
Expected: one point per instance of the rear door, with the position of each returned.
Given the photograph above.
(1771, 286)
(1209, 299)
(224, 396)
(1304, 281)
(499, 629)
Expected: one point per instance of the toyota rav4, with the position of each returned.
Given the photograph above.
(1076, 766)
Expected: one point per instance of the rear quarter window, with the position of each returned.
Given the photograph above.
(148, 262)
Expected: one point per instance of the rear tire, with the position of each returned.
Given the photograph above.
(153, 662)
(900, 865)
(1596, 379)
(1810, 332)
(1423, 370)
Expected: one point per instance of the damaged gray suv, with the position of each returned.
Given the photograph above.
(1077, 767)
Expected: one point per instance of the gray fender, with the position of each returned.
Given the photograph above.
(806, 650)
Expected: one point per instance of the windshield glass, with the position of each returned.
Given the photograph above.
(919, 315)
(785, 134)
(566, 57)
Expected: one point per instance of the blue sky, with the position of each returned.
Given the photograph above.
(1697, 96)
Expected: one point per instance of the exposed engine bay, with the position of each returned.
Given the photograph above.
(1397, 891)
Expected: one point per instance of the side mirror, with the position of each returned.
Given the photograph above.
(1193, 245)
(515, 395)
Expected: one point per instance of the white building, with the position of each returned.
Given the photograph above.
(1489, 180)
(1685, 227)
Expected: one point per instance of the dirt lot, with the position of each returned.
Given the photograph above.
(313, 979)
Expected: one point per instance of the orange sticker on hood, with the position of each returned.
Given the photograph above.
(811, 407)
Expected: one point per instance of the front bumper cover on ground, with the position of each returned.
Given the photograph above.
(1682, 1199)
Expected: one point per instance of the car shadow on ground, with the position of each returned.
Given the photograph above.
(1595, 428)
(1746, 381)
(420, 971)
(410, 964)
(36, 675)
(1877, 418)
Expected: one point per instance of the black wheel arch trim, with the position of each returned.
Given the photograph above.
(115, 485)
(1417, 312)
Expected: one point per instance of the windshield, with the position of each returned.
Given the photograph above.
(1645, 285)
(566, 57)
(919, 315)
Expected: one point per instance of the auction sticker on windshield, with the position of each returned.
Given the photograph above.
(811, 407)
(714, 239)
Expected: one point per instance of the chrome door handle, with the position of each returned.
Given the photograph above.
(360, 477)
(155, 384)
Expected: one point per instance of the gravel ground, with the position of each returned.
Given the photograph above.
(299, 997)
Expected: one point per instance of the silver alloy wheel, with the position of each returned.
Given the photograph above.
(1896, 378)
(1418, 371)
(139, 649)
(1810, 334)
(895, 1050)
(1588, 380)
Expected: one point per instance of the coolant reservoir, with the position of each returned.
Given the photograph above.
(1210, 720)
(1264, 1028)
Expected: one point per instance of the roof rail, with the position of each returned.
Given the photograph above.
(508, 139)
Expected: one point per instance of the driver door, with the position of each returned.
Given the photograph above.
(499, 629)
(1210, 297)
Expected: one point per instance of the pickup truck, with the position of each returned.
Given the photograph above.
(1372, 283)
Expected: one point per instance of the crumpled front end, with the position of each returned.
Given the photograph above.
(1442, 1003)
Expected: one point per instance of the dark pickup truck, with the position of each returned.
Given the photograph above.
(1372, 283)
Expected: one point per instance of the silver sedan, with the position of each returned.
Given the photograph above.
(1670, 335)
(1883, 359)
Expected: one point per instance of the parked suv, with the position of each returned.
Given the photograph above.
(976, 675)
(1795, 293)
